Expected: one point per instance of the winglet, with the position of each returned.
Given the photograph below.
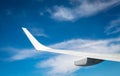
(38, 46)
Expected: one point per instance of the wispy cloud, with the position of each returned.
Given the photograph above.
(19, 54)
(38, 32)
(84, 8)
(62, 65)
(87, 45)
(63, 14)
(23, 54)
(114, 27)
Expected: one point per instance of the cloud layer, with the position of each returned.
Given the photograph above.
(84, 8)
(114, 27)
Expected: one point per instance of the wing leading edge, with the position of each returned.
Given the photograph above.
(40, 47)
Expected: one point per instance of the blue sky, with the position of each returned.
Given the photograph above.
(81, 25)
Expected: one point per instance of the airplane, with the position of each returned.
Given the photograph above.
(87, 60)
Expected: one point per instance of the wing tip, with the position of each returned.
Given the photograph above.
(23, 28)
(37, 45)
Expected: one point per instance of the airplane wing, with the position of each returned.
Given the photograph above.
(40, 47)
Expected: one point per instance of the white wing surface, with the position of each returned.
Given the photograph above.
(39, 47)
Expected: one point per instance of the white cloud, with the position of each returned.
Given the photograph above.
(114, 27)
(86, 45)
(27, 53)
(61, 65)
(21, 54)
(84, 8)
(62, 13)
